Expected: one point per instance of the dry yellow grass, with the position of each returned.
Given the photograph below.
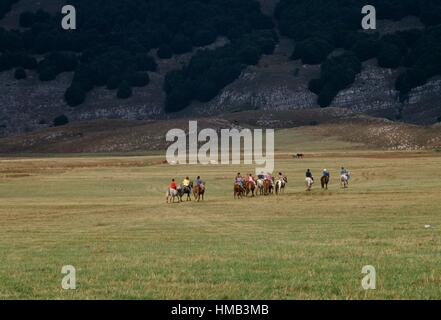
(107, 216)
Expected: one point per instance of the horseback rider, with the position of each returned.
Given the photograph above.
(269, 177)
(251, 179)
(282, 179)
(261, 176)
(239, 181)
(198, 182)
(345, 172)
(173, 185)
(309, 174)
(326, 173)
(186, 182)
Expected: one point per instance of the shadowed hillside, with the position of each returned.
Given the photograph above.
(250, 60)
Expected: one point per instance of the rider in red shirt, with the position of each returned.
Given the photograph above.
(173, 185)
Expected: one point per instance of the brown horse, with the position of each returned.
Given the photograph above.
(325, 182)
(199, 192)
(267, 187)
(238, 191)
(250, 187)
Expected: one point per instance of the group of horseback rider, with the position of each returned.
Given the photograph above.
(344, 174)
(187, 187)
(264, 183)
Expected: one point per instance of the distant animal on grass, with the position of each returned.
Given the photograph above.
(309, 182)
(172, 194)
(325, 181)
(250, 187)
(238, 191)
(299, 156)
(345, 180)
(199, 192)
(280, 185)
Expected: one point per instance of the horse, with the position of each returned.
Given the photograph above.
(267, 187)
(198, 192)
(309, 182)
(280, 185)
(299, 156)
(271, 187)
(325, 182)
(186, 190)
(250, 187)
(345, 180)
(238, 191)
(172, 194)
(260, 187)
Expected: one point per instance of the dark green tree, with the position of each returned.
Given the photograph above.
(75, 95)
(138, 79)
(165, 52)
(20, 73)
(181, 44)
(124, 90)
(61, 120)
(390, 56)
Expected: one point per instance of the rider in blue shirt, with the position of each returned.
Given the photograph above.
(344, 171)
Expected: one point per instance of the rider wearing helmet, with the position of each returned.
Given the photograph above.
(326, 173)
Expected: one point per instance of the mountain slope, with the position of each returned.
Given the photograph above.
(276, 83)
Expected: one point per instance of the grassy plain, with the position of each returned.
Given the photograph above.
(107, 216)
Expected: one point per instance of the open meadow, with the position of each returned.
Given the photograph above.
(107, 216)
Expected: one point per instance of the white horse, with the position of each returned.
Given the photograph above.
(309, 182)
(260, 187)
(172, 194)
(345, 180)
(280, 185)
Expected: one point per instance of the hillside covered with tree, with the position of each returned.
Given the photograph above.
(111, 44)
(318, 27)
(118, 45)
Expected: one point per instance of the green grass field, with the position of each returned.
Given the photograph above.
(107, 216)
